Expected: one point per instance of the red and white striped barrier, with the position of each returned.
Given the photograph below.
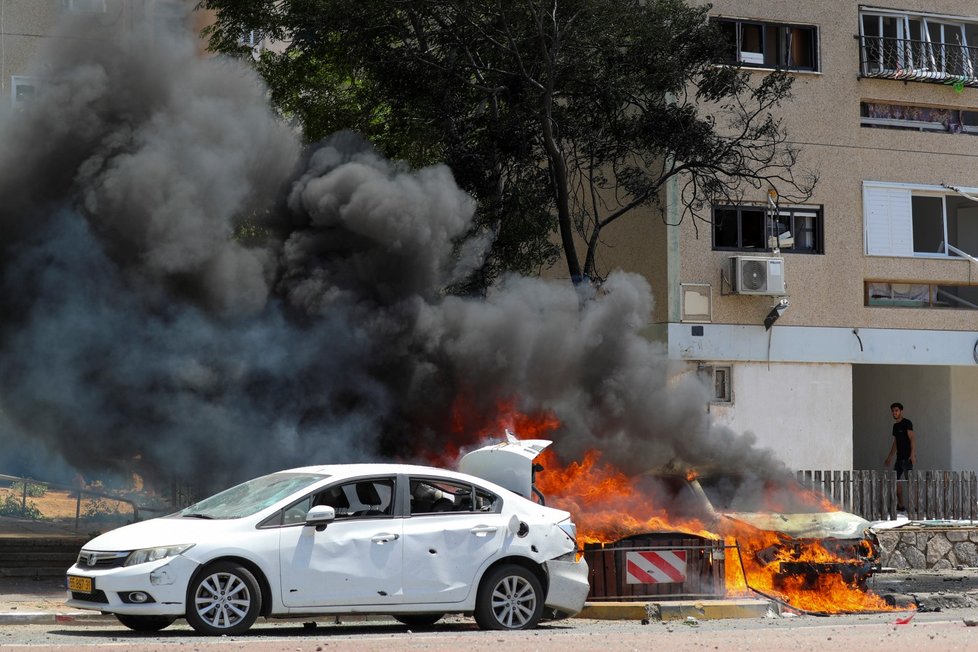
(655, 567)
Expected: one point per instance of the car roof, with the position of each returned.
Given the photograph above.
(340, 471)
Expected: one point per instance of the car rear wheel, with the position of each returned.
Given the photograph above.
(223, 599)
(510, 597)
(145, 623)
(418, 621)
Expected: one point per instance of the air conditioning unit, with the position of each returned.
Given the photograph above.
(757, 275)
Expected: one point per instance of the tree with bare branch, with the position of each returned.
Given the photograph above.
(558, 116)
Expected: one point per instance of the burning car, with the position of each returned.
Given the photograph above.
(787, 534)
(414, 542)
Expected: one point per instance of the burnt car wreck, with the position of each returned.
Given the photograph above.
(782, 528)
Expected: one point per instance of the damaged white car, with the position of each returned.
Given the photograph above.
(414, 542)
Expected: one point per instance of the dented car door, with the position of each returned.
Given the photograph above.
(453, 530)
(355, 560)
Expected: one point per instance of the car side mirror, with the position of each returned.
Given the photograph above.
(320, 516)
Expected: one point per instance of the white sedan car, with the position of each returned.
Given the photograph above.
(411, 541)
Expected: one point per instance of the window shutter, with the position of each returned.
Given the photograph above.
(888, 221)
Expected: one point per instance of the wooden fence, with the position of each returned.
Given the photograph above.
(928, 495)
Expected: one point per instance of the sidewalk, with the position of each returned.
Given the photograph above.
(28, 602)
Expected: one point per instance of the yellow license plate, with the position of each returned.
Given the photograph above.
(83, 584)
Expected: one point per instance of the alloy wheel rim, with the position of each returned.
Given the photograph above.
(222, 600)
(514, 601)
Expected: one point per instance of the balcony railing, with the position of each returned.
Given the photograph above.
(924, 61)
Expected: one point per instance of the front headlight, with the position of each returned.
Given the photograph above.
(152, 554)
(570, 529)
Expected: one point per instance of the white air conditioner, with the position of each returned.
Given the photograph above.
(757, 275)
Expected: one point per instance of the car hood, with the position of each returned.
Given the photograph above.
(822, 525)
(159, 532)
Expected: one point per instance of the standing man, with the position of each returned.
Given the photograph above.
(904, 447)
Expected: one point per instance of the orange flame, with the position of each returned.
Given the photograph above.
(608, 505)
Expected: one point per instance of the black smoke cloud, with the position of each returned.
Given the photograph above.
(183, 283)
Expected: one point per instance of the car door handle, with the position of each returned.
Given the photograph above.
(483, 530)
(385, 538)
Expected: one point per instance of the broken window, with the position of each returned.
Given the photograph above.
(433, 496)
(769, 45)
(921, 295)
(756, 228)
(925, 221)
(918, 118)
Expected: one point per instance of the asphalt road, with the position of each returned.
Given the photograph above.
(947, 601)
(945, 630)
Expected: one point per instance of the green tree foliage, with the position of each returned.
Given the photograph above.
(557, 115)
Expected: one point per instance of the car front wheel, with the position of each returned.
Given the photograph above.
(145, 623)
(223, 599)
(510, 597)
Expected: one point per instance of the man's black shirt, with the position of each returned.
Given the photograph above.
(900, 429)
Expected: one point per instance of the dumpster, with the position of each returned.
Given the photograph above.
(666, 565)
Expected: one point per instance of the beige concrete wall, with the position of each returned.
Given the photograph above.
(964, 418)
(801, 411)
(25, 25)
(823, 119)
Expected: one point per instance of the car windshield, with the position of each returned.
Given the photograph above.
(251, 497)
(746, 494)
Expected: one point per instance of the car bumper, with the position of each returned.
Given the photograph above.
(164, 582)
(568, 586)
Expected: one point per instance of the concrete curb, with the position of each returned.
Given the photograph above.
(679, 610)
(659, 611)
(50, 618)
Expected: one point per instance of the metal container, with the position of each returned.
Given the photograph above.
(666, 566)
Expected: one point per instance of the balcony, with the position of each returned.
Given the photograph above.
(884, 57)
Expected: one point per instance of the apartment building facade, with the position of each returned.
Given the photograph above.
(873, 281)
(870, 288)
(26, 25)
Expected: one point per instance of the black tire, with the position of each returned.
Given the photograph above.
(223, 598)
(418, 621)
(145, 623)
(510, 597)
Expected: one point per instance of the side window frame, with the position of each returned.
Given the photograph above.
(476, 496)
(278, 519)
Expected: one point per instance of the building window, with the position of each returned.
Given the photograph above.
(22, 91)
(769, 45)
(921, 295)
(796, 229)
(915, 47)
(718, 379)
(918, 118)
(922, 221)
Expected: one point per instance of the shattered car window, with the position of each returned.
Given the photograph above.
(373, 497)
(250, 497)
(431, 496)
